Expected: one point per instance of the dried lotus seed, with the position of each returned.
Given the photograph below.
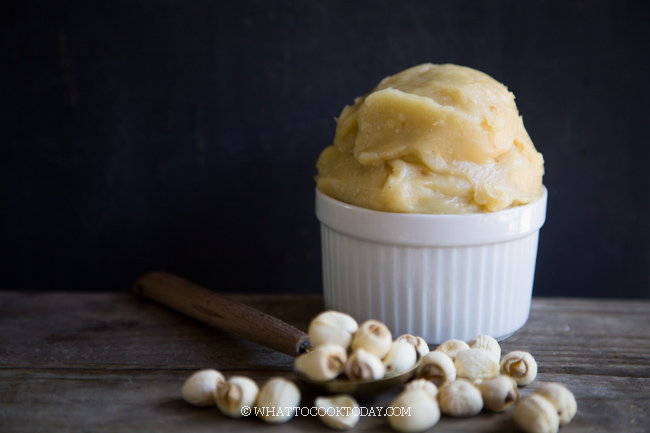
(420, 345)
(339, 412)
(561, 398)
(486, 342)
(413, 411)
(422, 385)
(200, 389)
(521, 366)
(452, 347)
(373, 336)
(364, 365)
(438, 368)
(400, 357)
(460, 398)
(332, 327)
(280, 398)
(233, 395)
(499, 393)
(535, 414)
(322, 364)
(476, 364)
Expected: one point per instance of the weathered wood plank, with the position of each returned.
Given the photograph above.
(49, 330)
(98, 400)
(114, 362)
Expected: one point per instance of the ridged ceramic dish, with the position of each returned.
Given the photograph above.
(436, 276)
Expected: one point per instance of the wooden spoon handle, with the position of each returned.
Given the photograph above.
(208, 307)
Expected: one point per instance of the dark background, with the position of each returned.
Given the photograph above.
(182, 135)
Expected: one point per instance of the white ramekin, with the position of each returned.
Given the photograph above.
(436, 276)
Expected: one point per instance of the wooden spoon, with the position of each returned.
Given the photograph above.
(253, 325)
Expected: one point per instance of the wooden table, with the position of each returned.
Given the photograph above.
(116, 362)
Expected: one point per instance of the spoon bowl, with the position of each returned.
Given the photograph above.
(360, 388)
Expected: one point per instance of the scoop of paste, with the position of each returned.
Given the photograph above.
(437, 139)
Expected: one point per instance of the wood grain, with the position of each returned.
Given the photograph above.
(115, 362)
(215, 310)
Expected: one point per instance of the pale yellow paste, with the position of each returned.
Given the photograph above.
(438, 139)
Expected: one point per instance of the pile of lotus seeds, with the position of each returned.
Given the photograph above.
(458, 379)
